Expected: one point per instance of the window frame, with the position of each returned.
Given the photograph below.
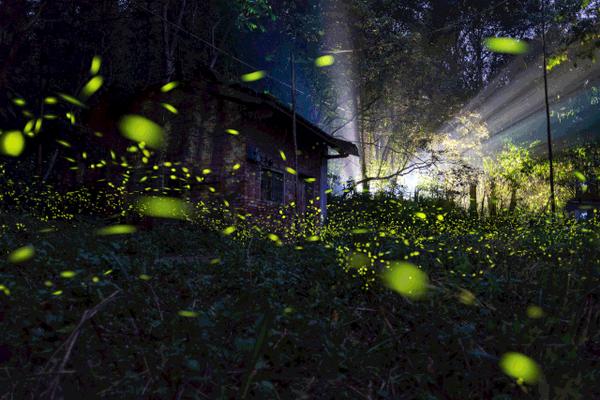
(303, 185)
(277, 171)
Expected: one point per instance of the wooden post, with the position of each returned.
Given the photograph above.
(293, 65)
(473, 199)
(548, 127)
(492, 200)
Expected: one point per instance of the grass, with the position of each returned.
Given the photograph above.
(183, 311)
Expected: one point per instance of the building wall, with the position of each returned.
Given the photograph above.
(270, 137)
(197, 138)
(201, 134)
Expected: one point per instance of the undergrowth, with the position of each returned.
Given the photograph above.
(181, 310)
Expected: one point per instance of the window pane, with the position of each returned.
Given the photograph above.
(271, 186)
(309, 191)
(265, 185)
(277, 187)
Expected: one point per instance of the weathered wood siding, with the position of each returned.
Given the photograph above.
(197, 138)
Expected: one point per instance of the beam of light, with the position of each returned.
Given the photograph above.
(343, 72)
(411, 182)
(512, 107)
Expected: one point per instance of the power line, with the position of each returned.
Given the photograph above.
(547, 103)
(206, 42)
(287, 85)
(271, 77)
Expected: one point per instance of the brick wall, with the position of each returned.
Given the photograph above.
(269, 137)
(197, 138)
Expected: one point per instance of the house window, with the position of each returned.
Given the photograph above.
(271, 186)
(309, 191)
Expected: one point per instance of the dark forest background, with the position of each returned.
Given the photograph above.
(412, 63)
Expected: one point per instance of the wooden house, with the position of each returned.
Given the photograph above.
(240, 142)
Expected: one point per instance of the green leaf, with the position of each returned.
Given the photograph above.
(555, 60)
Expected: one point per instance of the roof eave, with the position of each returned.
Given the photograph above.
(247, 95)
(343, 147)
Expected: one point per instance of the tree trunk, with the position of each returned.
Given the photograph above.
(364, 147)
(50, 166)
(481, 210)
(170, 39)
(513, 200)
(473, 199)
(492, 200)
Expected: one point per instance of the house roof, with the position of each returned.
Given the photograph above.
(342, 146)
(247, 95)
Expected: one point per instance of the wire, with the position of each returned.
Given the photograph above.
(287, 85)
(206, 42)
(271, 77)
